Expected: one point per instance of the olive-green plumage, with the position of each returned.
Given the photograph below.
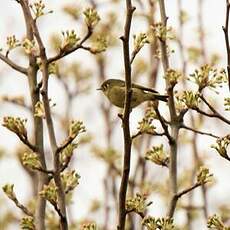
(114, 90)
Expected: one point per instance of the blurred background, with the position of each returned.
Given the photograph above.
(198, 40)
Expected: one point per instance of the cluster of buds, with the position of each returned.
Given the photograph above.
(221, 146)
(31, 160)
(190, 99)
(38, 9)
(227, 103)
(76, 127)
(136, 204)
(70, 180)
(27, 223)
(162, 32)
(39, 110)
(49, 192)
(203, 175)
(29, 46)
(145, 125)
(139, 41)
(99, 45)
(152, 223)
(172, 77)
(91, 18)
(157, 155)
(16, 125)
(8, 189)
(70, 39)
(208, 76)
(12, 42)
(66, 153)
(53, 68)
(215, 222)
(89, 226)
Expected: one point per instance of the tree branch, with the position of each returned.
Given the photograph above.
(173, 116)
(13, 64)
(163, 124)
(225, 29)
(183, 126)
(22, 207)
(179, 195)
(49, 121)
(125, 119)
(63, 53)
(37, 122)
(215, 113)
(134, 136)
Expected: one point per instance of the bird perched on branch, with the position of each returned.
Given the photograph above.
(114, 90)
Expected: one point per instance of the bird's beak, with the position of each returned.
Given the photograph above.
(99, 89)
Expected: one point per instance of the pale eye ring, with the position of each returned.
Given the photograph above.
(105, 86)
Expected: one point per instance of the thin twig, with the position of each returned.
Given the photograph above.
(139, 133)
(133, 57)
(68, 141)
(225, 29)
(22, 207)
(13, 64)
(51, 172)
(215, 113)
(27, 143)
(63, 53)
(179, 195)
(163, 124)
(183, 126)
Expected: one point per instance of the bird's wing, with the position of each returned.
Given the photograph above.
(144, 88)
(122, 84)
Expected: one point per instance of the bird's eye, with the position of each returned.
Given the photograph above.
(105, 86)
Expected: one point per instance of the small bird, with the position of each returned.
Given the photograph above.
(114, 90)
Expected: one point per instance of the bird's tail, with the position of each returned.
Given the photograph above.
(160, 97)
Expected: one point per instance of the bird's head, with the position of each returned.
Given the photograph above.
(108, 84)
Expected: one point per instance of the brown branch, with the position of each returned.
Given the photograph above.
(163, 124)
(37, 122)
(183, 126)
(175, 198)
(13, 64)
(68, 141)
(139, 133)
(225, 29)
(63, 53)
(141, 214)
(27, 143)
(133, 56)
(214, 113)
(22, 207)
(45, 171)
(49, 121)
(173, 116)
(125, 119)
